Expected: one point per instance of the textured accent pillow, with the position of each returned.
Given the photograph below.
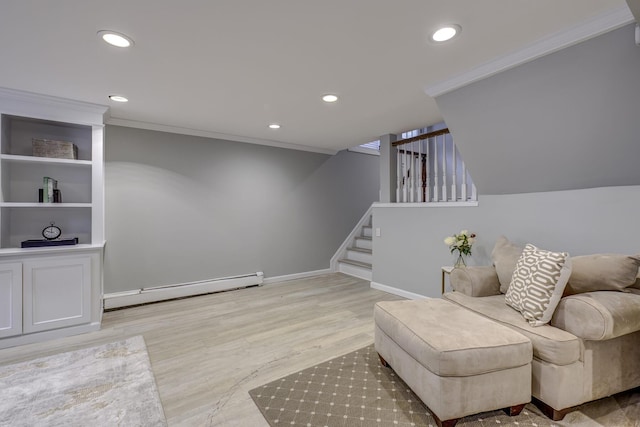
(602, 272)
(504, 256)
(538, 283)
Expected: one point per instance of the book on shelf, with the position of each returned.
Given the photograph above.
(50, 192)
(57, 196)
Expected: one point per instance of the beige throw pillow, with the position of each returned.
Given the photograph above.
(538, 283)
(504, 256)
(602, 272)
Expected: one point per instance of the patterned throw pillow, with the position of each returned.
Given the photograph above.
(537, 283)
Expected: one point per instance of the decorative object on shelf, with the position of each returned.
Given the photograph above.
(38, 243)
(51, 234)
(51, 231)
(55, 149)
(57, 196)
(460, 243)
(50, 186)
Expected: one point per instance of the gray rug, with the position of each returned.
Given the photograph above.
(107, 385)
(355, 390)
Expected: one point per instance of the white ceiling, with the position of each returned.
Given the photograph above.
(228, 68)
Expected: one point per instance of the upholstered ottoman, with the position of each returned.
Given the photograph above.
(458, 362)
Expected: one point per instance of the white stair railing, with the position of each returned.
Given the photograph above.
(429, 169)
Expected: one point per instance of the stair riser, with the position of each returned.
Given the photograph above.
(356, 271)
(367, 231)
(359, 256)
(364, 244)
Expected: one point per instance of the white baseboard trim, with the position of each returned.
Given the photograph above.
(163, 293)
(294, 276)
(49, 335)
(396, 291)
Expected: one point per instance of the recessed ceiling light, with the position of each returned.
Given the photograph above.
(118, 98)
(274, 126)
(115, 38)
(446, 32)
(329, 98)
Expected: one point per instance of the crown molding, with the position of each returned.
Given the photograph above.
(601, 24)
(20, 102)
(216, 135)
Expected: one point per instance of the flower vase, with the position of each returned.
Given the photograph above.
(460, 262)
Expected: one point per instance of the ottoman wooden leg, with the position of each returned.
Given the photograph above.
(512, 411)
(383, 362)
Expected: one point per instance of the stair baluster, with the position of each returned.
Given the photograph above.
(430, 169)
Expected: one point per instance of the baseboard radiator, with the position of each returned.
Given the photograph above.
(166, 292)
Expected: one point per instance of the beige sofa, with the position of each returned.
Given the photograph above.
(591, 347)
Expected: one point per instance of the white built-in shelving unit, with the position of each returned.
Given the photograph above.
(51, 291)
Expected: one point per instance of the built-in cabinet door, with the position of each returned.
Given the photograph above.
(57, 293)
(10, 299)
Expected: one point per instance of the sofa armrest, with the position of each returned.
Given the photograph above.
(475, 281)
(599, 315)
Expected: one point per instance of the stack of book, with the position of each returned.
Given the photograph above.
(49, 193)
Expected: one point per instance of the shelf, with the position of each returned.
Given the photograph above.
(81, 180)
(4, 252)
(44, 205)
(44, 160)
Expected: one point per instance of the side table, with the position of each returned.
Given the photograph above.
(446, 269)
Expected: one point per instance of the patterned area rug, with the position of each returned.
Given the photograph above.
(107, 385)
(356, 390)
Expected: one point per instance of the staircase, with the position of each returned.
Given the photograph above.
(358, 256)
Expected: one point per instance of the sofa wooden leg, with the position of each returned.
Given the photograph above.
(549, 412)
(513, 411)
(383, 362)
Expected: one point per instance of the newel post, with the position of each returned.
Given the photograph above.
(388, 168)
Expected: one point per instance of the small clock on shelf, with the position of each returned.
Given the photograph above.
(51, 234)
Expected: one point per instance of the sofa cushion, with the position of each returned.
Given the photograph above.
(538, 283)
(550, 344)
(602, 272)
(449, 340)
(505, 256)
(599, 315)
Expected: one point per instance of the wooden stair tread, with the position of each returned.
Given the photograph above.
(362, 250)
(356, 263)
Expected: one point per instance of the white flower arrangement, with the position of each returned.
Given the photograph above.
(461, 242)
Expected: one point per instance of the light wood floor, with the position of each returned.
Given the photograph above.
(207, 352)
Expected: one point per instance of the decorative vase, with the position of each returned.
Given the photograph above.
(460, 262)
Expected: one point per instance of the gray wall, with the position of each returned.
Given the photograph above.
(410, 251)
(182, 208)
(568, 120)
